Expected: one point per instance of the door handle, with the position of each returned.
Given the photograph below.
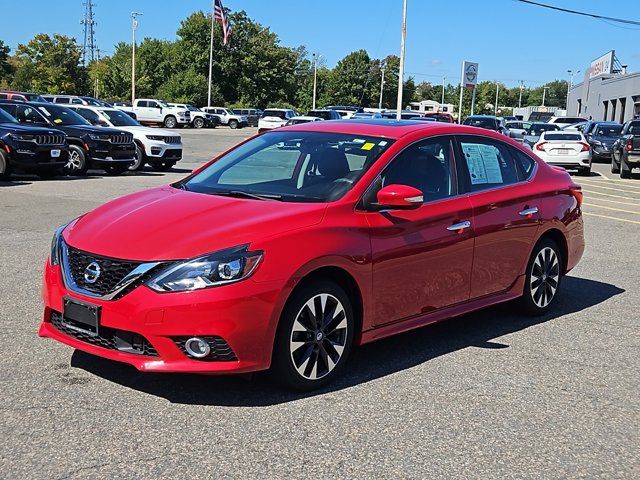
(528, 212)
(459, 227)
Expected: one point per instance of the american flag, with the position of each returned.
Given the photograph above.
(220, 17)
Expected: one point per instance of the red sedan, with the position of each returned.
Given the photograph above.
(299, 244)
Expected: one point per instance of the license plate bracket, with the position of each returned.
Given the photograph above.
(81, 316)
(55, 153)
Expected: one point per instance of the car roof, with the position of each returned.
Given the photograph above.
(387, 128)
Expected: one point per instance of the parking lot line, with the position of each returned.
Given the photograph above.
(617, 189)
(611, 208)
(611, 218)
(607, 194)
(610, 182)
(618, 202)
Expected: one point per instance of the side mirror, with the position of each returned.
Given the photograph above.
(400, 197)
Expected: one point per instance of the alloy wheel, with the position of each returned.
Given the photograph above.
(319, 336)
(545, 277)
(74, 162)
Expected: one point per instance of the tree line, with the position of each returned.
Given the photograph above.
(253, 70)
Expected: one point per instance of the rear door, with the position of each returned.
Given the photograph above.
(421, 259)
(505, 211)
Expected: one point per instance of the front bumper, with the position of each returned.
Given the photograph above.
(106, 153)
(159, 150)
(241, 314)
(39, 157)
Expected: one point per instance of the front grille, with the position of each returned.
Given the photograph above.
(220, 349)
(109, 338)
(121, 139)
(172, 140)
(112, 271)
(50, 139)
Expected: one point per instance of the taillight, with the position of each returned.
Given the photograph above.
(629, 144)
(576, 191)
(585, 147)
(539, 146)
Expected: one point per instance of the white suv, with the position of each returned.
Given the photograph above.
(274, 118)
(159, 148)
(199, 118)
(227, 117)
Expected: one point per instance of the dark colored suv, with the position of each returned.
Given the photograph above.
(110, 149)
(252, 114)
(601, 136)
(43, 151)
(325, 114)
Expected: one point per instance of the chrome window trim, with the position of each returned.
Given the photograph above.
(131, 277)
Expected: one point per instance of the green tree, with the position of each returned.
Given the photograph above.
(51, 65)
(350, 78)
(6, 68)
(187, 86)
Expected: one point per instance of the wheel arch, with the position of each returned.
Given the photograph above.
(559, 239)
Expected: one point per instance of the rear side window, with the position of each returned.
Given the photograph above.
(634, 128)
(62, 100)
(142, 103)
(489, 163)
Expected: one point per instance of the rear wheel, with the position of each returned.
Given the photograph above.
(625, 170)
(77, 164)
(314, 336)
(163, 167)
(198, 123)
(615, 168)
(542, 278)
(5, 170)
(140, 159)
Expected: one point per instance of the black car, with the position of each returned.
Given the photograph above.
(325, 114)
(626, 149)
(43, 151)
(110, 149)
(601, 136)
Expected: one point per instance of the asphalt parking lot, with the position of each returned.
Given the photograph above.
(488, 395)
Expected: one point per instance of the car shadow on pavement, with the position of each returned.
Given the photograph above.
(370, 362)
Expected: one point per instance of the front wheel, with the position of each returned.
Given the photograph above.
(170, 122)
(314, 336)
(5, 171)
(140, 159)
(233, 124)
(198, 123)
(542, 278)
(77, 164)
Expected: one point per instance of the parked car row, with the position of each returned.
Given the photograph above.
(50, 139)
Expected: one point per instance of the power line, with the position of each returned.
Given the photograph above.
(576, 12)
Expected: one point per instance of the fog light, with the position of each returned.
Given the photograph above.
(155, 150)
(197, 347)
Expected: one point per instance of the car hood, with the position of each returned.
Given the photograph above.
(166, 223)
(80, 130)
(149, 131)
(605, 140)
(18, 128)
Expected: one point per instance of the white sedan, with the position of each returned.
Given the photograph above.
(567, 149)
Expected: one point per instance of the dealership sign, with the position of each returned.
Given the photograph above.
(469, 74)
(602, 65)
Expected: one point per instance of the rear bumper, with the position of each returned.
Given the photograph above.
(582, 160)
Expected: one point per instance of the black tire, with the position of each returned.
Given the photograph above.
(78, 163)
(233, 124)
(115, 170)
(48, 174)
(625, 170)
(585, 171)
(140, 159)
(170, 121)
(540, 278)
(5, 168)
(198, 122)
(308, 352)
(163, 167)
(615, 168)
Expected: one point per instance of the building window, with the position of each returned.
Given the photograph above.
(623, 105)
(606, 109)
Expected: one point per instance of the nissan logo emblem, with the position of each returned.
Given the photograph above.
(92, 272)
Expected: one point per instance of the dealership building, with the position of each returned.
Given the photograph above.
(607, 92)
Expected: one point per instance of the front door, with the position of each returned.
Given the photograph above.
(421, 258)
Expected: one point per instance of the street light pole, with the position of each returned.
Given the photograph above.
(210, 54)
(401, 73)
(571, 74)
(442, 101)
(315, 79)
(495, 107)
(381, 88)
(134, 27)
(520, 97)
(544, 93)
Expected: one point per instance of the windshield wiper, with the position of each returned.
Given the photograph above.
(255, 196)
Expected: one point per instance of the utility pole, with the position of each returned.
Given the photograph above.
(520, 97)
(315, 79)
(89, 48)
(210, 53)
(571, 74)
(381, 87)
(495, 107)
(134, 27)
(442, 101)
(544, 94)
(401, 73)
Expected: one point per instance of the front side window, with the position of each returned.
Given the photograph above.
(291, 166)
(427, 166)
(89, 115)
(489, 164)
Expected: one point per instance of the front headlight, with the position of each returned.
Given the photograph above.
(22, 137)
(219, 268)
(155, 137)
(94, 136)
(56, 244)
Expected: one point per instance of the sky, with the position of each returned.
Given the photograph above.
(511, 41)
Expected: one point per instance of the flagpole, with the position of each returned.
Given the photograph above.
(401, 73)
(211, 53)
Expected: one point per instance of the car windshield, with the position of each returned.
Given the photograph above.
(120, 119)
(565, 137)
(608, 130)
(62, 115)
(163, 104)
(482, 122)
(6, 118)
(291, 166)
(191, 108)
(275, 113)
(92, 101)
(537, 129)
